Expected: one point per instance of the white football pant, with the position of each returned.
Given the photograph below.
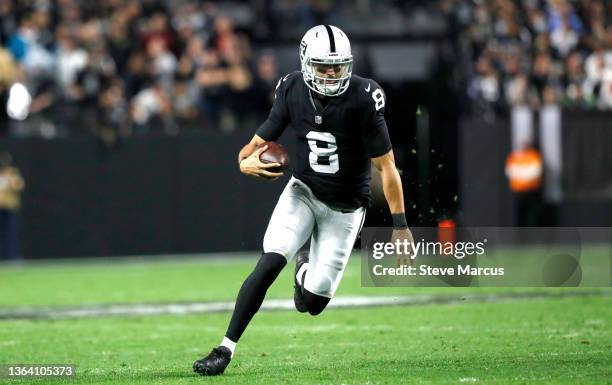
(299, 215)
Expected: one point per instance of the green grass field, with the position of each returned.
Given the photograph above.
(517, 341)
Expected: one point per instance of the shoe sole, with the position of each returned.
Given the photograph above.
(207, 372)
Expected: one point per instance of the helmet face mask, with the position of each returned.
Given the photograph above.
(327, 63)
(331, 78)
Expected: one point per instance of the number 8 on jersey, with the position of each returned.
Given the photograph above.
(323, 159)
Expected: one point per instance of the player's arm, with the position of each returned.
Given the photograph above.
(392, 185)
(394, 194)
(251, 165)
(378, 145)
(271, 129)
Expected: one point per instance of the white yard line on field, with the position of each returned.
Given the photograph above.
(273, 304)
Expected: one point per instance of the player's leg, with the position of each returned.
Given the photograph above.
(250, 298)
(252, 293)
(290, 226)
(301, 258)
(330, 248)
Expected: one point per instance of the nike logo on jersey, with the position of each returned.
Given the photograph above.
(368, 88)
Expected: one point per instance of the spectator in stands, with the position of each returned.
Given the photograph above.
(212, 78)
(482, 28)
(11, 186)
(191, 58)
(543, 72)
(89, 81)
(520, 92)
(9, 21)
(185, 99)
(561, 15)
(22, 39)
(596, 23)
(573, 79)
(71, 59)
(596, 65)
(27, 50)
(8, 68)
(113, 112)
(565, 38)
(162, 62)
(537, 21)
(120, 43)
(225, 39)
(136, 74)
(158, 30)
(41, 18)
(262, 91)
(151, 108)
(485, 85)
(605, 96)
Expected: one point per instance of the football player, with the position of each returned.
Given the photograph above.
(338, 122)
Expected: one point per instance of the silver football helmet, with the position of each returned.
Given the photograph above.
(327, 63)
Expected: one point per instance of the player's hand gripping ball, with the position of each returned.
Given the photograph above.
(274, 154)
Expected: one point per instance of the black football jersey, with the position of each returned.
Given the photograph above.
(335, 141)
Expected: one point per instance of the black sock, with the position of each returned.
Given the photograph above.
(315, 303)
(253, 291)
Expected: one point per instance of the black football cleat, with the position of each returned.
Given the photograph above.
(298, 299)
(214, 363)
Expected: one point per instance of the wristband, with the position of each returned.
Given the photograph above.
(399, 221)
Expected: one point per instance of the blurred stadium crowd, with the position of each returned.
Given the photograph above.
(116, 67)
(537, 52)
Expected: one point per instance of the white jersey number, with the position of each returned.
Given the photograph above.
(379, 99)
(329, 151)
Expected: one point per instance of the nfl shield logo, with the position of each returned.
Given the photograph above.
(318, 119)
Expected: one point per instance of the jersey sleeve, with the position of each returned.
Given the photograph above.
(278, 119)
(376, 134)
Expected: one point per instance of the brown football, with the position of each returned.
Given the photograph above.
(275, 154)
